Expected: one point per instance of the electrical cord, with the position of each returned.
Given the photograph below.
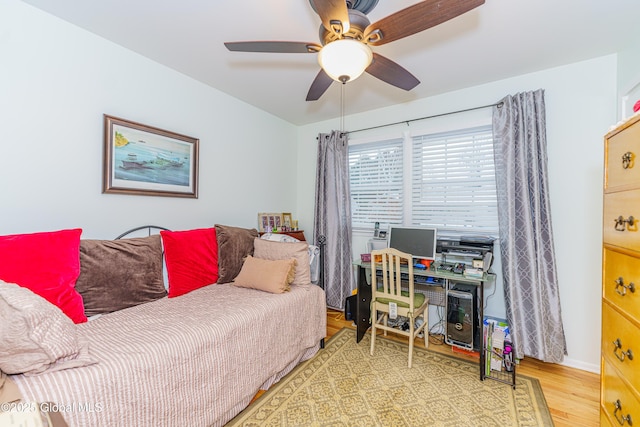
(437, 338)
(486, 300)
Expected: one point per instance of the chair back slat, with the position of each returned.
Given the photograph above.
(391, 262)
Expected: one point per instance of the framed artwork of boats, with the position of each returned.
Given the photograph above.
(145, 160)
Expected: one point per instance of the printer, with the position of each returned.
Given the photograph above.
(469, 248)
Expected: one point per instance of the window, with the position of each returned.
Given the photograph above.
(376, 180)
(445, 180)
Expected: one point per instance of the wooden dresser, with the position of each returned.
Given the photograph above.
(620, 361)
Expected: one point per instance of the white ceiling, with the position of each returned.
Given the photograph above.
(500, 39)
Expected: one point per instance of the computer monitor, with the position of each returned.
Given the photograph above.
(418, 241)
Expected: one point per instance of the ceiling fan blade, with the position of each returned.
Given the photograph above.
(273, 47)
(319, 86)
(392, 73)
(334, 14)
(416, 18)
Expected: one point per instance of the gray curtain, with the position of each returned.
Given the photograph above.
(333, 215)
(526, 240)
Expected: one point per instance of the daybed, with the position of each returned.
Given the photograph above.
(193, 359)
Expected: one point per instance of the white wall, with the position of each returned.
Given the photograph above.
(57, 81)
(581, 105)
(629, 78)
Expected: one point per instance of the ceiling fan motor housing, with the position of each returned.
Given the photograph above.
(359, 22)
(364, 6)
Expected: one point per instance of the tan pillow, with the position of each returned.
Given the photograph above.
(266, 249)
(266, 275)
(234, 244)
(35, 335)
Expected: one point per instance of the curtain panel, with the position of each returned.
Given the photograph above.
(526, 240)
(333, 215)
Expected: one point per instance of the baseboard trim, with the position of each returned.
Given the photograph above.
(578, 364)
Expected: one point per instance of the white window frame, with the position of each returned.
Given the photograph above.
(442, 124)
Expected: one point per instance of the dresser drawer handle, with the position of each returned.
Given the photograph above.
(621, 223)
(622, 354)
(622, 418)
(627, 160)
(621, 288)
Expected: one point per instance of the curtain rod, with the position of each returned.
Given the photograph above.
(498, 104)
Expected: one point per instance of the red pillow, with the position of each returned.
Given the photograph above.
(48, 264)
(192, 259)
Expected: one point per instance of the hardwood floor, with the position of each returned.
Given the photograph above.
(572, 395)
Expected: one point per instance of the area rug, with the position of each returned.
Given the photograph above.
(344, 386)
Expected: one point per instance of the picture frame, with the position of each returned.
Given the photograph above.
(148, 161)
(287, 220)
(268, 221)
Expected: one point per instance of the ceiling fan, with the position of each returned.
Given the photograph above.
(346, 34)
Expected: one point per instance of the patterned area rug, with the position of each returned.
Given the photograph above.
(344, 386)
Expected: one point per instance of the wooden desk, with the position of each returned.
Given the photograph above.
(363, 306)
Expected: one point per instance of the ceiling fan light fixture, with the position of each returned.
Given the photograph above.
(345, 59)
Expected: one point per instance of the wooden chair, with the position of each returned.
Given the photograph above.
(388, 288)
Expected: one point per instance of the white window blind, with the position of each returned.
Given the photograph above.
(376, 180)
(453, 183)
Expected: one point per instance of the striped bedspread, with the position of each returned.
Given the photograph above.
(194, 360)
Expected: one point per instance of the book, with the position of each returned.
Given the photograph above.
(497, 349)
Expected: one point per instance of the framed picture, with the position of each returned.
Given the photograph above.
(144, 160)
(269, 221)
(287, 221)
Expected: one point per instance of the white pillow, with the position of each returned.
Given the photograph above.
(277, 237)
(35, 335)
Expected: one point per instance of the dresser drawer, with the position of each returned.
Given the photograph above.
(623, 205)
(622, 162)
(618, 401)
(604, 419)
(616, 329)
(621, 282)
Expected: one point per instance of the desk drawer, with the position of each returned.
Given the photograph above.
(624, 204)
(621, 275)
(622, 170)
(618, 401)
(617, 329)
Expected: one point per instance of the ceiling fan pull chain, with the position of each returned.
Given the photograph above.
(342, 106)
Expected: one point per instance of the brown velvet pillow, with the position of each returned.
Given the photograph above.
(234, 244)
(116, 274)
(266, 275)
